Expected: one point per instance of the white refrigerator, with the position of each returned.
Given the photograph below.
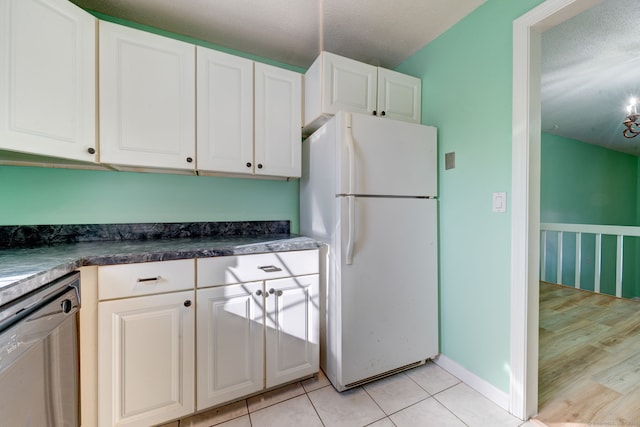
(368, 191)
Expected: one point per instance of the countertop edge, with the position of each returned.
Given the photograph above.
(24, 284)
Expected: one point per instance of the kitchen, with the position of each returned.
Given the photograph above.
(474, 300)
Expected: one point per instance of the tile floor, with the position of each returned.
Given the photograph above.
(424, 396)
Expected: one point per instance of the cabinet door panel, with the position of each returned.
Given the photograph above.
(145, 359)
(348, 85)
(147, 99)
(399, 96)
(230, 343)
(278, 121)
(292, 333)
(47, 78)
(225, 112)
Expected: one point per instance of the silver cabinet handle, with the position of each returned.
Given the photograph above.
(148, 279)
(273, 291)
(269, 268)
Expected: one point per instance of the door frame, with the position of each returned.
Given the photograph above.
(525, 196)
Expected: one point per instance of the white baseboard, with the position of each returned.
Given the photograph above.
(480, 385)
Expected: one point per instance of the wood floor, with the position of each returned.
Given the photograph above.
(589, 371)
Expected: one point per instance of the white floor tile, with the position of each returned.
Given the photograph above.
(216, 416)
(243, 421)
(319, 381)
(395, 393)
(533, 423)
(294, 412)
(474, 409)
(385, 422)
(427, 413)
(432, 377)
(351, 408)
(274, 396)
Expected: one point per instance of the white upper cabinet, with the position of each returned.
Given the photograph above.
(249, 117)
(47, 79)
(147, 99)
(225, 112)
(278, 122)
(399, 96)
(334, 83)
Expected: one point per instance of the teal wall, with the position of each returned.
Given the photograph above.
(586, 184)
(467, 91)
(59, 196)
(64, 196)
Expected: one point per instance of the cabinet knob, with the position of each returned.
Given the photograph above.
(383, 114)
(189, 159)
(187, 303)
(259, 165)
(248, 164)
(91, 150)
(273, 291)
(375, 113)
(259, 292)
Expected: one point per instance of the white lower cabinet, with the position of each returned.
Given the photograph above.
(146, 359)
(146, 344)
(259, 334)
(257, 323)
(291, 329)
(230, 343)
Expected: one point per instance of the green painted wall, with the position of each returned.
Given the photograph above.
(586, 184)
(59, 196)
(467, 91)
(64, 196)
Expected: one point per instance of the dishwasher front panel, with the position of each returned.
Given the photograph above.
(39, 359)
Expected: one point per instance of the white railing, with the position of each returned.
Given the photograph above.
(579, 230)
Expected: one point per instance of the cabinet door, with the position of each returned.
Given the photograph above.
(348, 85)
(147, 99)
(292, 328)
(47, 78)
(146, 359)
(230, 343)
(225, 112)
(399, 96)
(278, 121)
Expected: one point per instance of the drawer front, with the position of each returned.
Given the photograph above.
(248, 268)
(130, 280)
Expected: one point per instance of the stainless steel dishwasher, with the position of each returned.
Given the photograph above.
(39, 357)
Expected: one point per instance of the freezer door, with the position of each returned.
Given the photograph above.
(388, 297)
(379, 156)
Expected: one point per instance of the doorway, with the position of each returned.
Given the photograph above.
(525, 219)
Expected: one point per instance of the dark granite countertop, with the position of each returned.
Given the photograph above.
(25, 269)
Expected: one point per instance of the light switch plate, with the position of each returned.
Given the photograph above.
(500, 202)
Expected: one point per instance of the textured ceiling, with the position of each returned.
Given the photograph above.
(590, 69)
(378, 32)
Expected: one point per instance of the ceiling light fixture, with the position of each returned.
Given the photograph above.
(632, 126)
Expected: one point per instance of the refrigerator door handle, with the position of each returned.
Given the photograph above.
(352, 226)
(350, 151)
